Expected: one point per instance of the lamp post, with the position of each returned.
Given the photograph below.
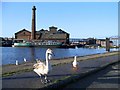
(108, 44)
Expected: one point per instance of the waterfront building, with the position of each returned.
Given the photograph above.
(76, 41)
(88, 41)
(42, 35)
(91, 41)
(102, 42)
(6, 42)
(23, 35)
(115, 41)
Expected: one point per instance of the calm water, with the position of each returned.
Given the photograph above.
(11, 54)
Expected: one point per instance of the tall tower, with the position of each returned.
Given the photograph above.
(33, 36)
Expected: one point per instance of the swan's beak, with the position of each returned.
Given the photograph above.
(53, 54)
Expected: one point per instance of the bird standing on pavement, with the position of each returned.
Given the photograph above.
(75, 63)
(42, 69)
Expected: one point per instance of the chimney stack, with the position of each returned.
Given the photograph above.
(33, 35)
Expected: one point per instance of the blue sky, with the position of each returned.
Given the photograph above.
(80, 19)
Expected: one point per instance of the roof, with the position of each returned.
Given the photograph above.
(102, 39)
(52, 27)
(22, 31)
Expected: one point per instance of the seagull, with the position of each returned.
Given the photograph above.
(16, 62)
(25, 60)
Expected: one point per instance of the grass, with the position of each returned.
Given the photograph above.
(63, 81)
(64, 78)
(14, 72)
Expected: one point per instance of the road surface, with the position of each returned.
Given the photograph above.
(108, 78)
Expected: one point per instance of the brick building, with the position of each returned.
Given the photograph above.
(45, 35)
(42, 35)
(102, 42)
(23, 34)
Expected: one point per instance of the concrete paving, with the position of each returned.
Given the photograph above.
(108, 78)
(58, 73)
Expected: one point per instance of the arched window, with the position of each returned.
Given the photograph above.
(23, 33)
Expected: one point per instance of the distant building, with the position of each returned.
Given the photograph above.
(91, 41)
(6, 42)
(115, 41)
(84, 42)
(102, 42)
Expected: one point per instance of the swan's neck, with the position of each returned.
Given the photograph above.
(75, 59)
(47, 63)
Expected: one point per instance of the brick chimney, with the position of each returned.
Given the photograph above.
(33, 36)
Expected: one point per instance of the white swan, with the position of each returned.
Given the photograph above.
(43, 68)
(75, 63)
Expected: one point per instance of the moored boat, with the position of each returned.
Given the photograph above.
(22, 44)
(38, 44)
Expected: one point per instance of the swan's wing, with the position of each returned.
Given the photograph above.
(40, 66)
(40, 69)
(35, 65)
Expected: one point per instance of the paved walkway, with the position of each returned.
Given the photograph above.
(59, 72)
(28, 65)
(107, 79)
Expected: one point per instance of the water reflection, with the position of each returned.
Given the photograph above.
(33, 55)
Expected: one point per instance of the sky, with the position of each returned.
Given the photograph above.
(79, 19)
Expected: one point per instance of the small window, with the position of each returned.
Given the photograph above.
(24, 33)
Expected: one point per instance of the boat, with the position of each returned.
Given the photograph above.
(22, 44)
(38, 44)
(47, 44)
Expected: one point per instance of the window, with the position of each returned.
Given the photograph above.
(24, 33)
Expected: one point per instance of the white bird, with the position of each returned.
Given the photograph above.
(75, 63)
(25, 60)
(76, 47)
(16, 62)
(42, 69)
